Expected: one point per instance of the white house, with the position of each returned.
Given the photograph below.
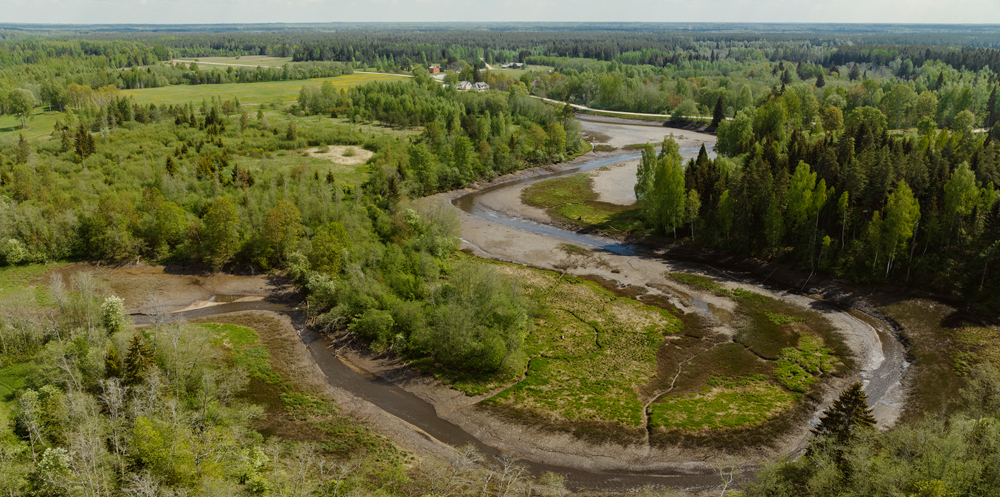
(464, 85)
(481, 86)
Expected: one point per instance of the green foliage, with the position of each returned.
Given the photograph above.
(113, 363)
(221, 238)
(660, 187)
(721, 407)
(375, 326)
(780, 319)
(478, 322)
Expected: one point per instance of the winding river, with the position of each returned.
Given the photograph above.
(420, 413)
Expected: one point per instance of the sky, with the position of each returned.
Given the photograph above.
(291, 11)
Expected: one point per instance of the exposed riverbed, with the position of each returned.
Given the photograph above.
(423, 415)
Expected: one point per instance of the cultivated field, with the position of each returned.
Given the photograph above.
(244, 61)
(248, 93)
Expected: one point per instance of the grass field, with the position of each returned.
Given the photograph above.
(40, 126)
(13, 278)
(246, 60)
(946, 343)
(516, 73)
(248, 93)
(597, 357)
(12, 379)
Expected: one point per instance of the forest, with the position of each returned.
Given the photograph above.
(867, 156)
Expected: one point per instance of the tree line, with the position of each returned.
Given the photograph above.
(854, 201)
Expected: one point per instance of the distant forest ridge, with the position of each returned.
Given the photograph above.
(971, 32)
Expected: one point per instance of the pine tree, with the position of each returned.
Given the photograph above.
(847, 414)
(719, 113)
(137, 361)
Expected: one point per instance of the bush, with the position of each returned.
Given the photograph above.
(479, 322)
(13, 252)
(375, 326)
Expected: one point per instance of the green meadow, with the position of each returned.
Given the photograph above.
(248, 93)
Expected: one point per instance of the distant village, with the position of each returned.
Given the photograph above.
(466, 85)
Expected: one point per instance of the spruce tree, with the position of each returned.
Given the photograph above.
(137, 361)
(820, 81)
(719, 113)
(991, 109)
(112, 364)
(847, 414)
(171, 166)
(855, 73)
(940, 81)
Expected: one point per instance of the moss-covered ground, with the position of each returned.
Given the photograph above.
(572, 200)
(598, 356)
(779, 351)
(590, 350)
(947, 343)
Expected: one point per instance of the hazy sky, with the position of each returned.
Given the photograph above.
(262, 11)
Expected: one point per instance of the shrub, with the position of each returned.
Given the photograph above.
(376, 326)
(113, 315)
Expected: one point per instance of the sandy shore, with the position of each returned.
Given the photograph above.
(620, 135)
(616, 184)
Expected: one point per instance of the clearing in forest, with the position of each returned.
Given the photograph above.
(249, 93)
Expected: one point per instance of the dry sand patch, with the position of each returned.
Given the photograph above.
(615, 184)
(347, 155)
